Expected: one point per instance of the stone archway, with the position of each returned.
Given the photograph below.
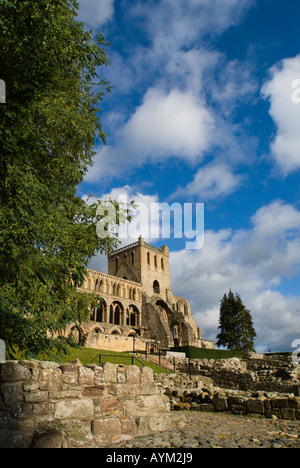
(166, 318)
(76, 333)
(184, 334)
(165, 310)
(176, 331)
(115, 331)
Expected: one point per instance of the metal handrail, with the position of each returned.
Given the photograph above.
(118, 355)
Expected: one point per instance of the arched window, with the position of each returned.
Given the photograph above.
(100, 312)
(176, 335)
(155, 261)
(156, 288)
(116, 313)
(148, 258)
(132, 258)
(162, 264)
(99, 316)
(133, 316)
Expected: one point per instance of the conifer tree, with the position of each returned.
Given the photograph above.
(237, 332)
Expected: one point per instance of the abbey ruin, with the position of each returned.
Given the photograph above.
(136, 300)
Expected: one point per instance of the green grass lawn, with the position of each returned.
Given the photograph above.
(87, 355)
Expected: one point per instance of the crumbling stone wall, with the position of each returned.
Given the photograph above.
(280, 406)
(256, 373)
(201, 394)
(260, 385)
(44, 404)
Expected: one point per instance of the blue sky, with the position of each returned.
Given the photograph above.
(206, 109)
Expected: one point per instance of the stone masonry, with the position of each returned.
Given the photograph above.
(258, 385)
(203, 396)
(44, 404)
(49, 405)
(255, 373)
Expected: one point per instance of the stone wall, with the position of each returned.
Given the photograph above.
(45, 404)
(263, 386)
(200, 394)
(257, 373)
(115, 339)
(280, 406)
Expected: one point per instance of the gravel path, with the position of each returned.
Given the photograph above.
(213, 430)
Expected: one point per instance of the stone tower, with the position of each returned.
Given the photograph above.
(145, 264)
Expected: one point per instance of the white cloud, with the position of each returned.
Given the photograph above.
(174, 119)
(212, 181)
(233, 83)
(252, 263)
(96, 12)
(177, 53)
(277, 319)
(170, 124)
(285, 111)
(276, 219)
(166, 124)
(184, 21)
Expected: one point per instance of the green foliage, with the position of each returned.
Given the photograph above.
(237, 331)
(48, 129)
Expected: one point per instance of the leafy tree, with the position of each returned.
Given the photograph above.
(48, 129)
(237, 331)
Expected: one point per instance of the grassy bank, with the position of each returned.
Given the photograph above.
(87, 355)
